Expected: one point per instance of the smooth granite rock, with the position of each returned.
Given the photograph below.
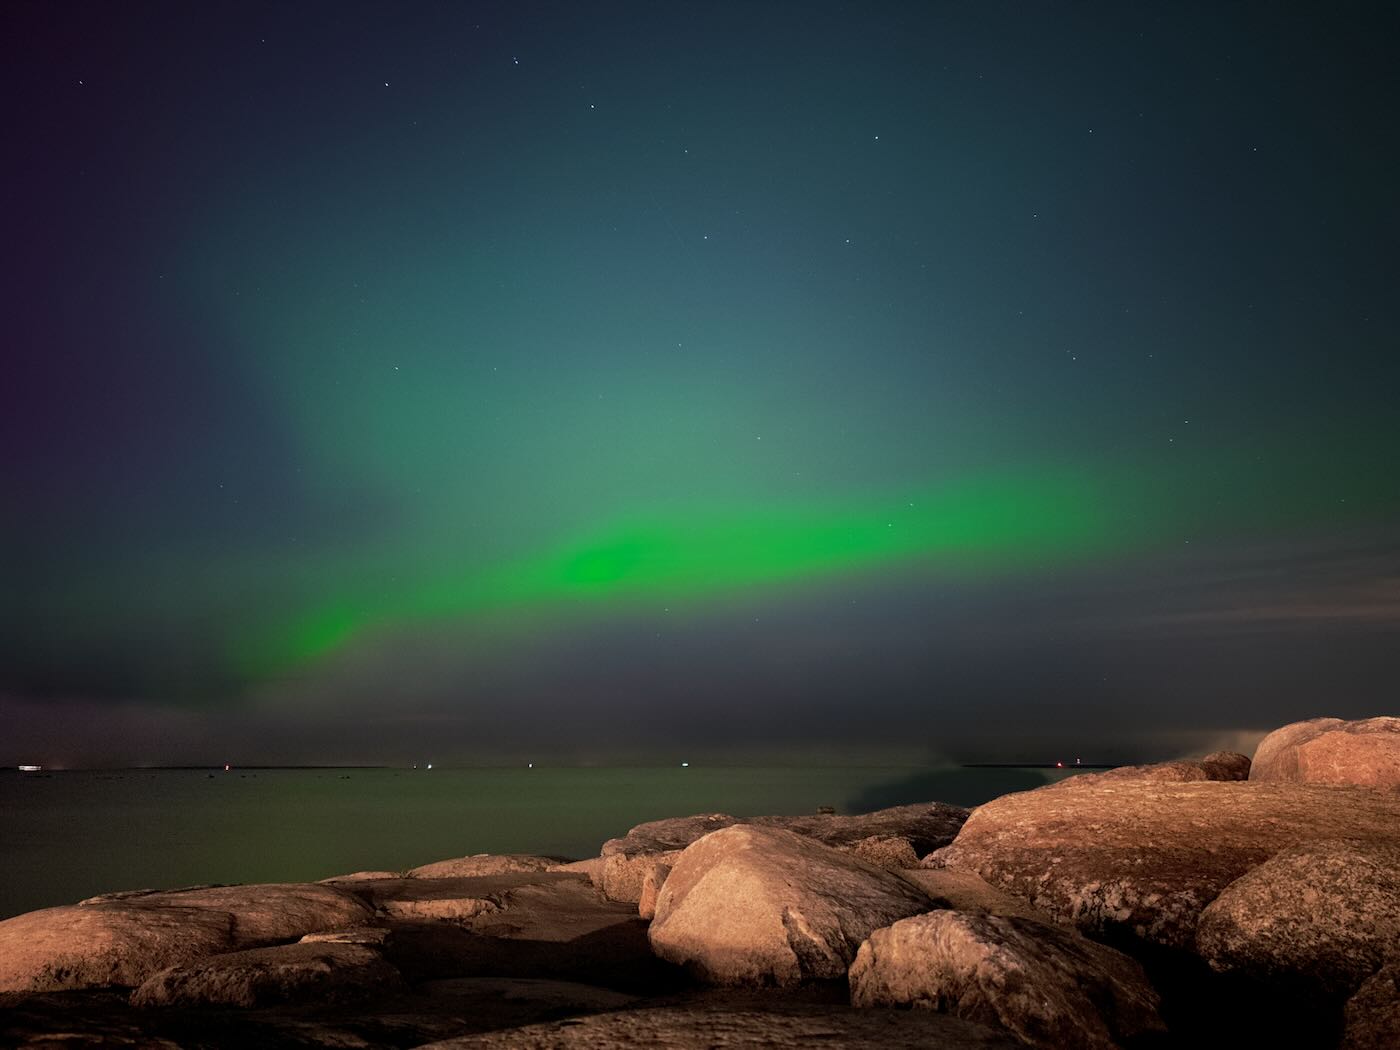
(1321, 916)
(1143, 858)
(1364, 752)
(1049, 985)
(121, 939)
(753, 905)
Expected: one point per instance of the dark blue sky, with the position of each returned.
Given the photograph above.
(790, 379)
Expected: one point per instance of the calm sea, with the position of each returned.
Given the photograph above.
(69, 835)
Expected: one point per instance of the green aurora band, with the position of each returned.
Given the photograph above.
(986, 525)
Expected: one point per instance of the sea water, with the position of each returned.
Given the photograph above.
(72, 834)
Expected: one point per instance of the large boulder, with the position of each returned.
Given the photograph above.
(1142, 858)
(305, 972)
(753, 905)
(124, 938)
(483, 864)
(1049, 985)
(1320, 917)
(1373, 1013)
(1331, 751)
(924, 827)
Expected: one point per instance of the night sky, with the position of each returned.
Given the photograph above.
(723, 381)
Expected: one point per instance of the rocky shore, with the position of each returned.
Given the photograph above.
(1220, 902)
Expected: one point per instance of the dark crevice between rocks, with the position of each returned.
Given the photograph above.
(1205, 1010)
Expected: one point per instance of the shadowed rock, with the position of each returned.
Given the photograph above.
(123, 939)
(743, 1021)
(1320, 916)
(1050, 985)
(1365, 752)
(964, 891)
(884, 851)
(1144, 857)
(287, 973)
(1373, 1013)
(361, 876)
(753, 905)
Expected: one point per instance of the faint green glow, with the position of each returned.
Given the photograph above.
(981, 525)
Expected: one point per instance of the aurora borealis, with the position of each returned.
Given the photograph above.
(570, 380)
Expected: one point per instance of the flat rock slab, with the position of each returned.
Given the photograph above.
(1143, 858)
(77, 947)
(964, 891)
(306, 972)
(542, 905)
(1320, 917)
(1365, 752)
(483, 864)
(754, 905)
(122, 939)
(744, 1022)
(925, 825)
(1049, 985)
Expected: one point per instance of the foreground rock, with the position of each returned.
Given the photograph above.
(1049, 985)
(744, 1021)
(1142, 858)
(1320, 917)
(123, 939)
(754, 905)
(923, 827)
(1373, 1013)
(323, 971)
(483, 864)
(1365, 752)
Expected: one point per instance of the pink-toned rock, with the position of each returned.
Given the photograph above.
(651, 888)
(925, 826)
(317, 972)
(482, 864)
(1365, 752)
(1143, 857)
(121, 939)
(1373, 1013)
(753, 905)
(1049, 985)
(592, 869)
(624, 874)
(1321, 916)
(361, 876)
